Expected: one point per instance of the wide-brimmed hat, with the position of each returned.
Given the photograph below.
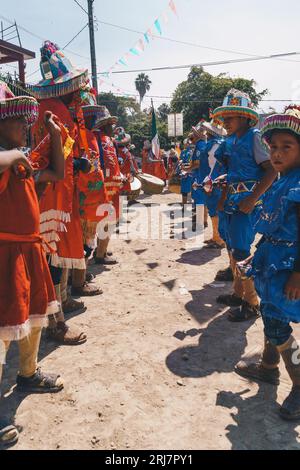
(89, 105)
(17, 106)
(214, 128)
(121, 138)
(198, 130)
(104, 118)
(59, 76)
(287, 121)
(237, 103)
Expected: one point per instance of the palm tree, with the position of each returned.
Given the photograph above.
(142, 84)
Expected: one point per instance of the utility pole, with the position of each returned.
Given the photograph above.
(92, 44)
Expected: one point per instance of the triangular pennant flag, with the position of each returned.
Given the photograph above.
(146, 38)
(149, 32)
(157, 26)
(173, 7)
(165, 17)
(134, 51)
(122, 62)
(141, 45)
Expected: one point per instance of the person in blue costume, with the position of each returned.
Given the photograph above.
(215, 134)
(276, 263)
(186, 180)
(249, 175)
(199, 173)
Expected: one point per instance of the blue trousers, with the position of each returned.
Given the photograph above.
(277, 331)
(240, 234)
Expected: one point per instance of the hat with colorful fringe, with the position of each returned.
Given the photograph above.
(198, 130)
(236, 103)
(288, 121)
(104, 118)
(17, 106)
(214, 128)
(59, 76)
(89, 105)
(121, 138)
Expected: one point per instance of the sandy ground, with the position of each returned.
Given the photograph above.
(157, 370)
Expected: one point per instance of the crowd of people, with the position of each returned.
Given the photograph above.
(62, 180)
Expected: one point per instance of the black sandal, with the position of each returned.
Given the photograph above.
(244, 313)
(9, 434)
(40, 383)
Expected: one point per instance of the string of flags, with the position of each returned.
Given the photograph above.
(140, 46)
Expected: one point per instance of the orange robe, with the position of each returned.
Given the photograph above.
(27, 294)
(112, 172)
(60, 220)
(92, 193)
(153, 168)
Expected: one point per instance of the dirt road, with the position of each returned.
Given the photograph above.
(157, 370)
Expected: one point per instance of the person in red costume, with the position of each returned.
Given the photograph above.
(113, 178)
(27, 293)
(60, 218)
(150, 164)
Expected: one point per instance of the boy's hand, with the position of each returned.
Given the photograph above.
(292, 288)
(50, 121)
(247, 205)
(22, 167)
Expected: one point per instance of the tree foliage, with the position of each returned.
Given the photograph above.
(142, 84)
(202, 92)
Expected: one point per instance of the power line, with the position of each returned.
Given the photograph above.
(73, 39)
(206, 64)
(81, 6)
(39, 37)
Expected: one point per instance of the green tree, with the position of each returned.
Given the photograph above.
(142, 84)
(202, 92)
(119, 106)
(163, 111)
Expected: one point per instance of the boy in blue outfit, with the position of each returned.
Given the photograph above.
(186, 180)
(199, 172)
(215, 169)
(276, 264)
(249, 176)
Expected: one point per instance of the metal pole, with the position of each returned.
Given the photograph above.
(92, 44)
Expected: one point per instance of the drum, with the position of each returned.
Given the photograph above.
(175, 184)
(151, 184)
(135, 189)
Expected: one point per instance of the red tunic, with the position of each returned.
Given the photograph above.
(27, 294)
(112, 173)
(153, 168)
(92, 193)
(70, 253)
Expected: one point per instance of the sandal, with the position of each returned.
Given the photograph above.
(40, 383)
(208, 242)
(107, 260)
(244, 313)
(72, 305)
(90, 277)
(9, 434)
(215, 246)
(87, 290)
(65, 335)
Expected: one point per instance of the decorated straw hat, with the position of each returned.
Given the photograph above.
(198, 130)
(17, 106)
(288, 121)
(59, 76)
(236, 103)
(121, 138)
(89, 104)
(104, 118)
(214, 128)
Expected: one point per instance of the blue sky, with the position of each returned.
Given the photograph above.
(256, 27)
